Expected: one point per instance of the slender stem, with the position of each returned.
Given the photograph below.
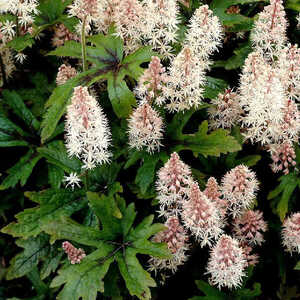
(83, 45)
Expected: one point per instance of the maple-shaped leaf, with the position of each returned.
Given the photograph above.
(201, 142)
(117, 240)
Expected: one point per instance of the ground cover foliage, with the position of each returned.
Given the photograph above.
(114, 212)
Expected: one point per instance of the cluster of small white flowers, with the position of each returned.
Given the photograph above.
(145, 128)
(291, 233)
(225, 111)
(298, 20)
(226, 263)
(173, 185)
(187, 70)
(270, 85)
(88, 9)
(177, 241)
(269, 32)
(161, 25)
(87, 132)
(204, 34)
(262, 97)
(24, 9)
(239, 187)
(201, 217)
(129, 21)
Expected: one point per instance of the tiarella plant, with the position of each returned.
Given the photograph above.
(142, 152)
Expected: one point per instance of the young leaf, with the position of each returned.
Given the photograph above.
(34, 250)
(21, 170)
(53, 204)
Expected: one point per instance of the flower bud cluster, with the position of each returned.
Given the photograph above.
(75, 255)
(291, 233)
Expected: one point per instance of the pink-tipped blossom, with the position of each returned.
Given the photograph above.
(226, 110)
(129, 21)
(177, 241)
(291, 233)
(226, 263)
(249, 227)
(145, 128)
(64, 74)
(87, 133)
(239, 187)
(283, 156)
(152, 81)
(201, 217)
(75, 255)
(173, 185)
(213, 192)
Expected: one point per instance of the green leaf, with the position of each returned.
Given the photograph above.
(213, 87)
(105, 208)
(56, 154)
(287, 186)
(51, 262)
(65, 228)
(34, 250)
(210, 292)
(240, 55)
(132, 62)
(53, 204)
(61, 96)
(55, 176)
(136, 278)
(14, 100)
(11, 135)
(118, 240)
(234, 22)
(215, 143)
(19, 43)
(122, 99)
(145, 174)
(293, 4)
(21, 170)
(50, 11)
(85, 279)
